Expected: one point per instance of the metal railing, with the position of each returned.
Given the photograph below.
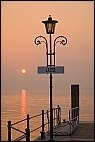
(73, 118)
(26, 133)
(69, 126)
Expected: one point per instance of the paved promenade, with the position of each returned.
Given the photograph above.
(84, 132)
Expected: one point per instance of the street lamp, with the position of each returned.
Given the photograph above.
(50, 68)
(50, 25)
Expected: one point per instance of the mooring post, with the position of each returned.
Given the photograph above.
(9, 131)
(27, 130)
(42, 132)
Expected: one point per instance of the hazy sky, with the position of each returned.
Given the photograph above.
(21, 23)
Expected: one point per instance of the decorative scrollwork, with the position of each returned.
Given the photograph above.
(63, 40)
(38, 40)
(60, 39)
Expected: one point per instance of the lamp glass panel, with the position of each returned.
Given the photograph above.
(49, 27)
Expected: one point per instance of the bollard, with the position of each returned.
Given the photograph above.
(42, 132)
(9, 131)
(64, 120)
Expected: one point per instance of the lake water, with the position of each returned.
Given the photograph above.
(16, 104)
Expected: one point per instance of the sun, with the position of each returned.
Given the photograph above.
(23, 71)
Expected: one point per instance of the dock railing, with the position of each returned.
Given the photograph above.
(70, 125)
(73, 118)
(27, 132)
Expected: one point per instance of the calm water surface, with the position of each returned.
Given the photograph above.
(16, 104)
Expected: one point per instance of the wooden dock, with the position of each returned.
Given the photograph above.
(84, 132)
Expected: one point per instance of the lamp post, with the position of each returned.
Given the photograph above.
(50, 68)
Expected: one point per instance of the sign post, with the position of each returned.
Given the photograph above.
(53, 70)
(50, 68)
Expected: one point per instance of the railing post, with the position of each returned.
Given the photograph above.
(70, 121)
(42, 132)
(78, 114)
(9, 131)
(60, 113)
(48, 118)
(27, 130)
(27, 135)
(59, 119)
(54, 117)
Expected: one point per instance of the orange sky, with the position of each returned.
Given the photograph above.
(21, 23)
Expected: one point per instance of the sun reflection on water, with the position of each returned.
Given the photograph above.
(23, 103)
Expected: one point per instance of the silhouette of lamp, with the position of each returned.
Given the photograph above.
(50, 29)
(50, 25)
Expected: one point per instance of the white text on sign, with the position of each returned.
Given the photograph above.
(50, 69)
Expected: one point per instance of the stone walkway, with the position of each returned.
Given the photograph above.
(84, 132)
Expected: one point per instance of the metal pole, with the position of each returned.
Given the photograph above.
(27, 135)
(51, 111)
(42, 132)
(58, 113)
(54, 117)
(9, 131)
(28, 121)
(42, 120)
(70, 121)
(27, 129)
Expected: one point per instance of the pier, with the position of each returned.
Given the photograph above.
(84, 132)
(45, 122)
(63, 130)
